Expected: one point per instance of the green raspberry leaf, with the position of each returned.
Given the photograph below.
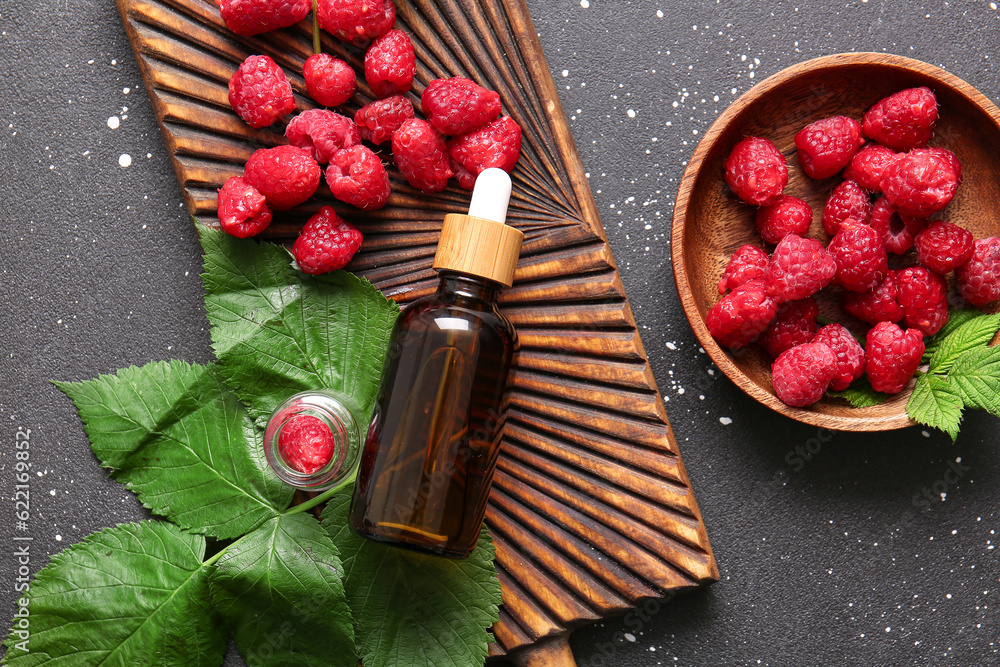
(976, 332)
(133, 595)
(173, 433)
(277, 331)
(976, 376)
(936, 403)
(281, 588)
(415, 610)
(860, 394)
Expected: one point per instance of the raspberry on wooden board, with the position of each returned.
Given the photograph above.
(868, 165)
(329, 81)
(421, 155)
(876, 305)
(326, 243)
(356, 21)
(799, 267)
(496, 144)
(458, 105)
(390, 64)
(847, 200)
(285, 175)
(243, 210)
(259, 92)
(794, 324)
(943, 247)
(898, 231)
(357, 176)
(253, 17)
(378, 119)
(860, 255)
(920, 183)
(322, 132)
(924, 298)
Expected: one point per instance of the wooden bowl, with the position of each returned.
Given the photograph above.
(710, 223)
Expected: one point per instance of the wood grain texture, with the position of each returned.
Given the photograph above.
(710, 223)
(591, 509)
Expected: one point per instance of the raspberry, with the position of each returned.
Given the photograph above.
(389, 64)
(356, 21)
(847, 200)
(950, 158)
(458, 105)
(377, 120)
(868, 165)
(421, 155)
(876, 305)
(741, 315)
(496, 144)
(356, 176)
(848, 351)
(243, 210)
(860, 255)
(979, 278)
(920, 183)
(326, 243)
(252, 17)
(904, 120)
(306, 443)
(801, 375)
(794, 324)
(892, 356)
(756, 171)
(322, 132)
(826, 146)
(465, 178)
(786, 215)
(285, 175)
(898, 231)
(747, 263)
(259, 92)
(799, 267)
(330, 81)
(943, 247)
(924, 298)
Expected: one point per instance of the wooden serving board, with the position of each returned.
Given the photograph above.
(591, 509)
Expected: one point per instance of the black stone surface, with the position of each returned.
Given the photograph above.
(833, 548)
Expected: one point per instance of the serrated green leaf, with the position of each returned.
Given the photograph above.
(277, 331)
(860, 394)
(413, 610)
(135, 595)
(281, 587)
(977, 332)
(976, 376)
(173, 433)
(956, 318)
(935, 403)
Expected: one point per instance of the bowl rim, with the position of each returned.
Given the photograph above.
(683, 200)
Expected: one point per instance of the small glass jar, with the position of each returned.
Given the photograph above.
(345, 440)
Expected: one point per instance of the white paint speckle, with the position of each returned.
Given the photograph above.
(725, 421)
(629, 637)
(584, 3)
(113, 122)
(631, 113)
(124, 160)
(58, 538)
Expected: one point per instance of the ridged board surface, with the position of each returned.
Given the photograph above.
(591, 509)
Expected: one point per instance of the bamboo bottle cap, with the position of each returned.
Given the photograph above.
(479, 243)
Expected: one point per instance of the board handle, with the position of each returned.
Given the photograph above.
(548, 652)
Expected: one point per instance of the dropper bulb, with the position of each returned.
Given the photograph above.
(491, 195)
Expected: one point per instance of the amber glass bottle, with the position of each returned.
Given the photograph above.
(432, 446)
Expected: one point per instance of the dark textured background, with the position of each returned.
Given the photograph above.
(833, 557)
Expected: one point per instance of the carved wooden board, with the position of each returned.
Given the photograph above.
(591, 508)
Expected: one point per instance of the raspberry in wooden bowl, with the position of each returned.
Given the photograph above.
(711, 222)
